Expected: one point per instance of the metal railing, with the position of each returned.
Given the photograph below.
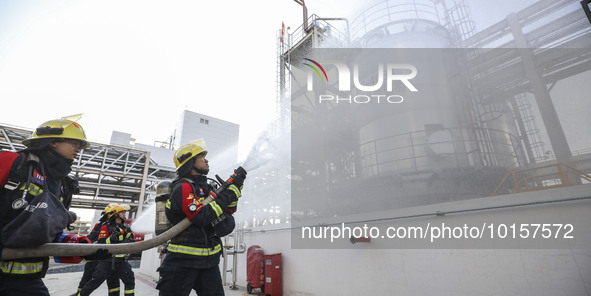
(412, 151)
(542, 177)
(321, 26)
(389, 11)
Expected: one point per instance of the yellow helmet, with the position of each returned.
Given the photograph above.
(115, 209)
(59, 128)
(109, 207)
(188, 151)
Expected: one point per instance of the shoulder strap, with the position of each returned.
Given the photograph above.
(7, 158)
(181, 180)
(191, 186)
(188, 180)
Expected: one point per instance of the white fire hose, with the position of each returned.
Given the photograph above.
(56, 249)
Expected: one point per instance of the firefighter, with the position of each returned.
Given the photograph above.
(90, 266)
(192, 258)
(39, 170)
(115, 231)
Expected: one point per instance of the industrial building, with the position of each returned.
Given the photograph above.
(486, 140)
(221, 137)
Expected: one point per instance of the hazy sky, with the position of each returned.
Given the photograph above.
(133, 66)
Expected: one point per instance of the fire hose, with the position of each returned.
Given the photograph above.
(57, 249)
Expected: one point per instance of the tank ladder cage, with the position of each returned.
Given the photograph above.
(387, 12)
(324, 27)
(541, 178)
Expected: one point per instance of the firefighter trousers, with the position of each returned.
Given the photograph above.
(105, 269)
(112, 281)
(12, 286)
(179, 281)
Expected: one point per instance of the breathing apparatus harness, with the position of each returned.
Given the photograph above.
(32, 161)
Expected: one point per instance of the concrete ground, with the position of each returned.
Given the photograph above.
(65, 284)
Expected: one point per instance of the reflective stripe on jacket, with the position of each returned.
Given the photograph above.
(194, 251)
(28, 267)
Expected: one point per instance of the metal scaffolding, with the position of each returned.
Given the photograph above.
(106, 173)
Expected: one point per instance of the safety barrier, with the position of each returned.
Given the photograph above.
(543, 177)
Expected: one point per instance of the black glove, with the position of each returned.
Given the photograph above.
(98, 255)
(115, 237)
(101, 254)
(238, 177)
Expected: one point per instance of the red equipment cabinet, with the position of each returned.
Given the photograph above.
(255, 270)
(273, 277)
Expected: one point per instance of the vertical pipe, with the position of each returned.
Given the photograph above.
(225, 265)
(305, 23)
(143, 186)
(234, 265)
(412, 148)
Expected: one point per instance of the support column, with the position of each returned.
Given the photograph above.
(544, 101)
(144, 184)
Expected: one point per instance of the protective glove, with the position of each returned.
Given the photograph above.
(98, 255)
(238, 177)
(116, 237)
(101, 254)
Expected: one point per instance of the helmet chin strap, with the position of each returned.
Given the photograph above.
(200, 171)
(59, 156)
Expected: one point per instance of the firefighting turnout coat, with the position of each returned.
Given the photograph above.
(115, 233)
(13, 185)
(198, 246)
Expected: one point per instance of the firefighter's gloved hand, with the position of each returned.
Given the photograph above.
(239, 176)
(116, 237)
(101, 254)
(98, 255)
